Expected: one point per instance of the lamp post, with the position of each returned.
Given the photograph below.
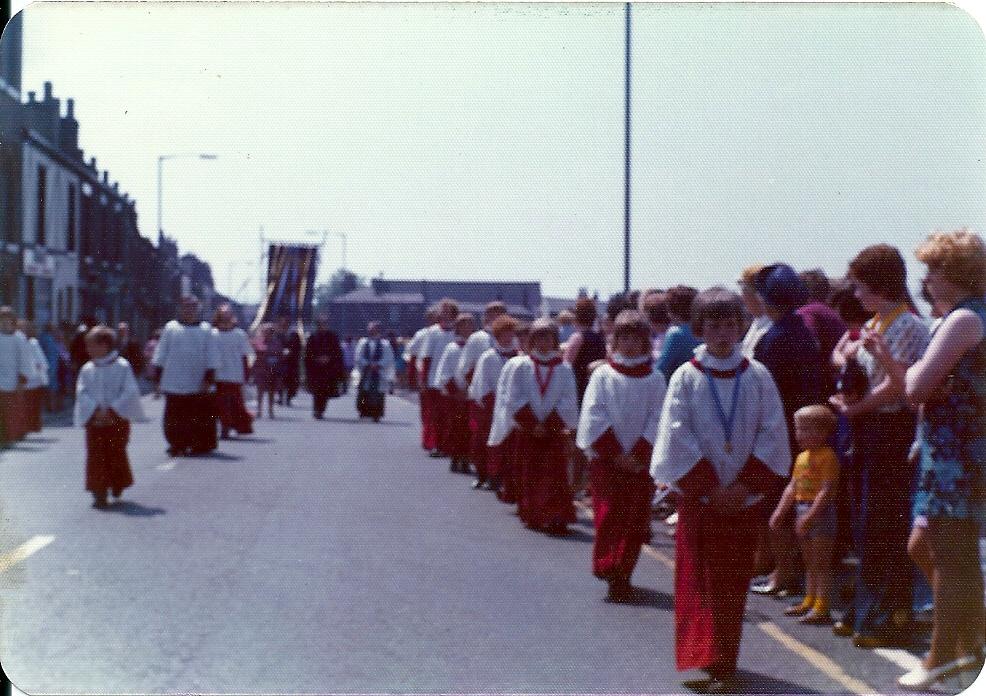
(160, 180)
(626, 160)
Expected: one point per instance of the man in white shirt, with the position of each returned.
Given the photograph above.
(185, 363)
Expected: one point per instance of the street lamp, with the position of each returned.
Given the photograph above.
(626, 157)
(160, 173)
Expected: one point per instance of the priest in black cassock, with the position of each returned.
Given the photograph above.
(324, 367)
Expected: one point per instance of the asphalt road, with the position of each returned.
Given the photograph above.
(333, 556)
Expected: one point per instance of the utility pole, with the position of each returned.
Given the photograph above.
(626, 162)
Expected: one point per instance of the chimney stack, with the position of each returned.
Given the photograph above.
(69, 108)
(30, 97)
(48, 91)
(106, 177)
(92, 163)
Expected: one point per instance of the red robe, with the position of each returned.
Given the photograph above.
(13, 415)
(428, 401)
(544, 497)
(621, 502)
(232, 412)
(107, 465)
(480, 422)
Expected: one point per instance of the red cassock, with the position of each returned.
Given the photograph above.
(455, 422)
(13, 411)
(480, 422)
(621, 502)
(427, 400)
(713, 568)
(412, 373)
(232, 412)
(544, 496)
(107, 466)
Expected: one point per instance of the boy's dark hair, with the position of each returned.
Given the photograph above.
(843, 300)
(585, 311)
(678, 301)
(716, 303)
(817, 283)
(631, 322)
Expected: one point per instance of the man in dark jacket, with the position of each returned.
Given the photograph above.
(323, 365)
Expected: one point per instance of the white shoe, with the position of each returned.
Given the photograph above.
(921, 679)
(672, 519)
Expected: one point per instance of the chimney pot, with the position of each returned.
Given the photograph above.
(116, 186)
(48, 91)
(92, 162)
(30, 97)
(106, 176)
(70, 108)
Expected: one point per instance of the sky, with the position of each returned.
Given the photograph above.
(486, 141)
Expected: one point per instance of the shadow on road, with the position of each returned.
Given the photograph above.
(221, 456)
(748, 682)
(249, 438)
(646, 597)
(381, 424)
(132, 509)
(574, 535)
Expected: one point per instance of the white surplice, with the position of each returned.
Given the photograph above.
(478, 343)
(15, 360)
(363, 358)
(232, 345)
(503, 422)
(413, 348)
(559, 396)
(184, 353)
(447, 365)
(487, 372)
(432, 348)
(630, 406)
(691, 430)
(107, 382)
(39, 365)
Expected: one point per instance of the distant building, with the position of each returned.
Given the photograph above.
(400, 304)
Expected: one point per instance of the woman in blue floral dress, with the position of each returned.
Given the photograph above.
(950, 382)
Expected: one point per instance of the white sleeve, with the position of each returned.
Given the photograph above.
(40, 362)
(515, 396)
(161, 349)
(85, 400)
(359, 362)
(568, 404)
(25, 355)
(478, 378)
(654, 414)
(387, 370)
(127, 403)
(595, 418)
(213, 359)
(676, 451)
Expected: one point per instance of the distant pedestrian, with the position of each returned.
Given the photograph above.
(482, 398)
(130, 349)
(324, 368)
(617, 429)
(107, 400)
(266, 373)
(585, 347)
(15, 370)
(542, 402)
(679, 341)
(37, 383)
(186, 361)
(51, 349)
(290, 365)
(149, 349)
(722, 445)
(375, 365)
(348, 346)
(77, 346)
(233, 347)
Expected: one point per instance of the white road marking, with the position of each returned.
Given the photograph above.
(901, 658)
(23, 551)
(167, 466)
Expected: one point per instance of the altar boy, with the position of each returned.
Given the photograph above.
(482, 397)
(722, 445)
(541, 400)
(107, 400)
(617, 429)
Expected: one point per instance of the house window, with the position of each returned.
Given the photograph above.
(70, 237)
(42, 186)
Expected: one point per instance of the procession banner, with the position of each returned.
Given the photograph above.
(290, 288)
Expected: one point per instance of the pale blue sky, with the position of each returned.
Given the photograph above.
(486, 141)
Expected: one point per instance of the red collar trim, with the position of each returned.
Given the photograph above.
(645, 369)
(721, 374)
(507, 355)
(550, 363)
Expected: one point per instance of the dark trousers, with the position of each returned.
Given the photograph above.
(884, 583)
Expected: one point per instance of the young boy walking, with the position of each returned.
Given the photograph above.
(620, 413)
(107, 400)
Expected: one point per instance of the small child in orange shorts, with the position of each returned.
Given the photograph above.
(812, 490)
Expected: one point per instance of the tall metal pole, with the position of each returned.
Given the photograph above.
(626, 162)
(160, 170)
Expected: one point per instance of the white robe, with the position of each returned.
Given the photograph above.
(108, 382)
(447, 364)
(232, 345)
(15, 360)
(503, 422)
(631, 406)
(486, 374)
(363, 357)
(413, 347)
(479, 342)
(432, 348)
(560, 395)
(184, 353)
(690, 429)
(39, 366)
